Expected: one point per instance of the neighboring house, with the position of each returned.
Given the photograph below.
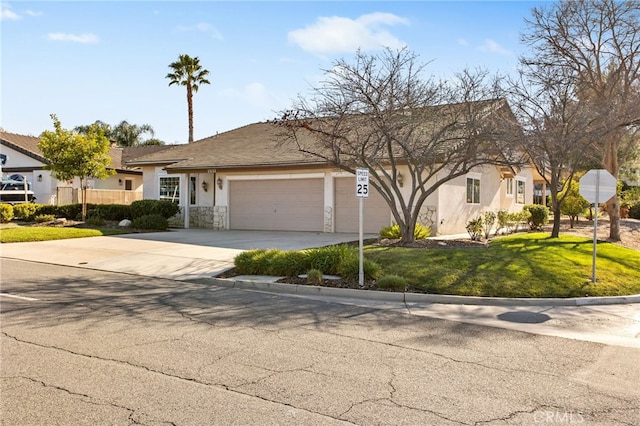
(252, 178)
(24, 158)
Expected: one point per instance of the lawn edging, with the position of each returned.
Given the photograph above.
(406, 297)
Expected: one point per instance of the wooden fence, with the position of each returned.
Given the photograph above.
(67, 195)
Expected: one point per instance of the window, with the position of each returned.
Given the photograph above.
(128, 184)
(192, 190)
(473, 191)
(520, 191)
(509, 187)
(170, 189)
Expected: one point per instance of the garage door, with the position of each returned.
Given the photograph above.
(376, 211)
(277, 204)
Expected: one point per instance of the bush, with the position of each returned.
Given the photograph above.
(474, 228)
(166, 209)
(314, 276)
(47, 209)
(6, 213)
(350, 268)
(634, 211)
(327, 259)
(488, 219)
(503, 220)
(115, 212)
(539, 216)
(41, 218)
(25, 211)
(392, 282)
(72, 211)
(95, 221)
(151, 221)
(392, 232)
(573, 206)
(287, 263)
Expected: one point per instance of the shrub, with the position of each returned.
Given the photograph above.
(539, 216)
(392, 232)
(72, 211)
(41, 218)
(314, 276)
(115, 212)
(25, 211)
(166, 209)
(6, 213)
(245, 262)
(634, 211)
(474, 228)
(518, 218)
(151, 221)
(392, 282)
(488, 219)
(288, 263)
(573, 206)
(95, 221)
(328, 258)
(503, 220)
(47, 209)
(350, 268)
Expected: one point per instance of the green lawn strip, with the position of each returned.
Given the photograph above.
(36, 233)
(529, 265)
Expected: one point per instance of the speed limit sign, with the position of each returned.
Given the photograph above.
(362, 183)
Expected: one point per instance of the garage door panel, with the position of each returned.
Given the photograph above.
(277, 204)
(347, 207)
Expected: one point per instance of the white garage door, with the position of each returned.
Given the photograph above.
(278, 204)
(376, 211)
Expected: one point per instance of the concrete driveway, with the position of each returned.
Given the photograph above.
(178, 254)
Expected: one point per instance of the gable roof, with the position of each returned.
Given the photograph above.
(28, 145)
(265, 144)
(253, 145)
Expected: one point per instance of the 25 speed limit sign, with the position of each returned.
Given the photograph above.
(362, 183)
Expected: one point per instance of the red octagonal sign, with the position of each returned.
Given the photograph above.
(597, 186)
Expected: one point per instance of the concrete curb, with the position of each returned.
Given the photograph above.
(388, 296)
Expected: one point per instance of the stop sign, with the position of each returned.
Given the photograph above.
(597, 186)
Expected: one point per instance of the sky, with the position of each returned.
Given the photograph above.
(107, 60)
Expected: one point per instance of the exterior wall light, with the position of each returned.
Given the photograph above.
(400, 179)
(40, 178)
(205, 185)
(219, 182)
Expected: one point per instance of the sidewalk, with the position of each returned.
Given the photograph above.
(198, 255)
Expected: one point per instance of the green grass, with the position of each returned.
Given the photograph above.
(17, 234)
(531, 265)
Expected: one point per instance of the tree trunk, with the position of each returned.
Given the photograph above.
(83, 185)
(555, 231)
(407, 232)
(613, 209)
(190, 110)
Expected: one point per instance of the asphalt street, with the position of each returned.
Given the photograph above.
(84, 346)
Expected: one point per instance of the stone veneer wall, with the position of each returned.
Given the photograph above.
(427, 217)
(328, 219)
(220, 217)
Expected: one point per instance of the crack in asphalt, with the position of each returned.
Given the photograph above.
(173, 376)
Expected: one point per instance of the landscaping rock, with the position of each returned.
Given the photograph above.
(125, 223)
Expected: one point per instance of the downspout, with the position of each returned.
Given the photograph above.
(186, 197)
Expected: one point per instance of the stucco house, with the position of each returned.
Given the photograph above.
(251, 178)
(25, 159)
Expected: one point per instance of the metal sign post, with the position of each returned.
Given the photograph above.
(362, 192)
(596, 185)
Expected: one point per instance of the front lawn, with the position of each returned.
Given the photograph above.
(16, 234)
(526, 265)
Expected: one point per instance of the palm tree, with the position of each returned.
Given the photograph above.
(126, 134)
(187, 71)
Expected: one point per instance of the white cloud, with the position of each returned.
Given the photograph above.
(337, 34)
(202, 27)
(490, 46)
(6, 14)
(463, 42)
(81, 38)
(33, 13)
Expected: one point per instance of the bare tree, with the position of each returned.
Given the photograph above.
(557, 126)
(597, 42)
(383, 114)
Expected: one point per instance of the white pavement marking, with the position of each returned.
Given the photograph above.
(30, 299)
